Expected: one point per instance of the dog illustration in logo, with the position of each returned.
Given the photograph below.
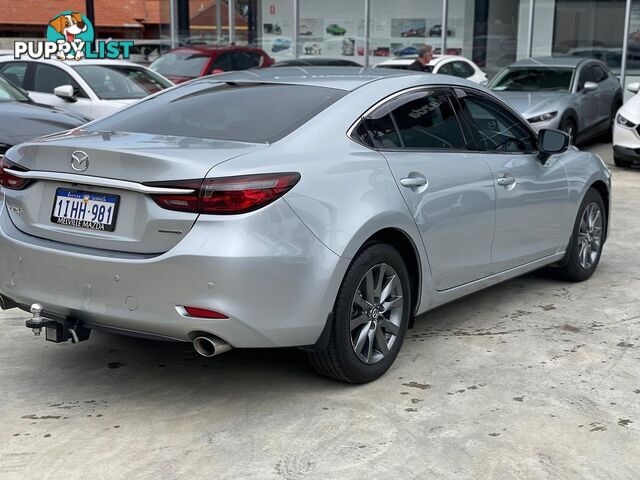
(69, 26)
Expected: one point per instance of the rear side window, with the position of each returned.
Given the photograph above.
(235, 111)
(15, 72)
(462, 69)
(418, 120)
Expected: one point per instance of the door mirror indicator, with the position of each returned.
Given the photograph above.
(65, 92)
(552, 142)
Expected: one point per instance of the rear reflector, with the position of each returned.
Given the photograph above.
(11, 181)
(227, 195)
(203, 313)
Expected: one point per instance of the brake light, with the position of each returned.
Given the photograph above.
(11, 181)
(227, 195)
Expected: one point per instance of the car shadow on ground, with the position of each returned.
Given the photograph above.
(128, 366)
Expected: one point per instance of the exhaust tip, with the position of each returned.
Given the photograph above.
(210, 346)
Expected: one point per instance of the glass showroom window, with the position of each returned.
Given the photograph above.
(331, 28)
(589, 28)
(402, 26)
(275, 28)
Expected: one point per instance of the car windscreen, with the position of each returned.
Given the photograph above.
(180, 64)
(235, 111)
(533, 79)
(9, 93)
(121, 82)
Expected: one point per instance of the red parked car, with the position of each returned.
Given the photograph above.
(184, 63)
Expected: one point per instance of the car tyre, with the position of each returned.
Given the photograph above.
(568, 125)
(372, 307)
(585, 247)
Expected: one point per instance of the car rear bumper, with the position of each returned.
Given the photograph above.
(265, 270)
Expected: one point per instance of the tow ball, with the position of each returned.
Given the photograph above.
(57, 330)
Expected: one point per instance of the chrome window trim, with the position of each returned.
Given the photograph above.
(97, 182)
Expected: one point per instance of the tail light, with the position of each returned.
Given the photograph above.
(227, 195)
(11, 181)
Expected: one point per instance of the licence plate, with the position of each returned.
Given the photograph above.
(94, 211)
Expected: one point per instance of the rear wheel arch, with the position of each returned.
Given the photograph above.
(405, 246)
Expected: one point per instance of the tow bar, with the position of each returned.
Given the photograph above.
(56, 330)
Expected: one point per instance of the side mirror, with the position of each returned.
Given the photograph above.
(634, 87)
(65, 92)
(216, 71)
(589, 87)
(552, 142)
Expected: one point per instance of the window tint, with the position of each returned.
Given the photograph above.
(494, 127)
(446, 69)
(462, 69)
(48, 77)
(383, 132)
(586, 75)
(238, 111)
(599, 73)
(246, 60)
(417, 120)
(222, 62)
(14, 72)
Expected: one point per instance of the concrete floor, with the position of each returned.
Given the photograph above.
(532, 379)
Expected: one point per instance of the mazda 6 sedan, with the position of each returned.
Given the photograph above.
(318, 208)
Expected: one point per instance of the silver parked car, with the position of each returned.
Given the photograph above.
(577, 95)
(321, 209)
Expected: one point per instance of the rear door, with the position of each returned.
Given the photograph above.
(448, 188)
(531, 197)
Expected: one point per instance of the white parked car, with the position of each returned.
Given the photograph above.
(92, 88)
(454, 65)
(626, 130)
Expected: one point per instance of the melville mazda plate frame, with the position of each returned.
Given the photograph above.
(92, 196)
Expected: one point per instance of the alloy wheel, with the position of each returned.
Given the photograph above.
(376, 313)
(590, 235)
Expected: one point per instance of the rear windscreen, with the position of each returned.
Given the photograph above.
(243, 112)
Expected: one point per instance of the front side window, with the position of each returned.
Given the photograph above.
(587, 74)
(234, 111)
(533, 79)
(418, 120)
(48, 77)
(221, 63)
(495, 128)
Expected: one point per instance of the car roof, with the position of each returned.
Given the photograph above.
(341, 78)
(569, 62)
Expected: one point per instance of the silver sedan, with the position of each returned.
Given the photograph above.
(318, 208)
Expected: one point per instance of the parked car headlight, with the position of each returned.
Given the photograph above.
(545, 117)
(624, 122)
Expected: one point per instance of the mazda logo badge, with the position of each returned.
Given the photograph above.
(79, 161)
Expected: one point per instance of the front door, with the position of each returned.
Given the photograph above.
(448, 188)
(531, 196)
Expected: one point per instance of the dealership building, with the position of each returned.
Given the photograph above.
(493, 33)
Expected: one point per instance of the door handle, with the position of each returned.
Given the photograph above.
(506, 180)
(413, 182)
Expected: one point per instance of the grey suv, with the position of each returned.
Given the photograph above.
(577, 95)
